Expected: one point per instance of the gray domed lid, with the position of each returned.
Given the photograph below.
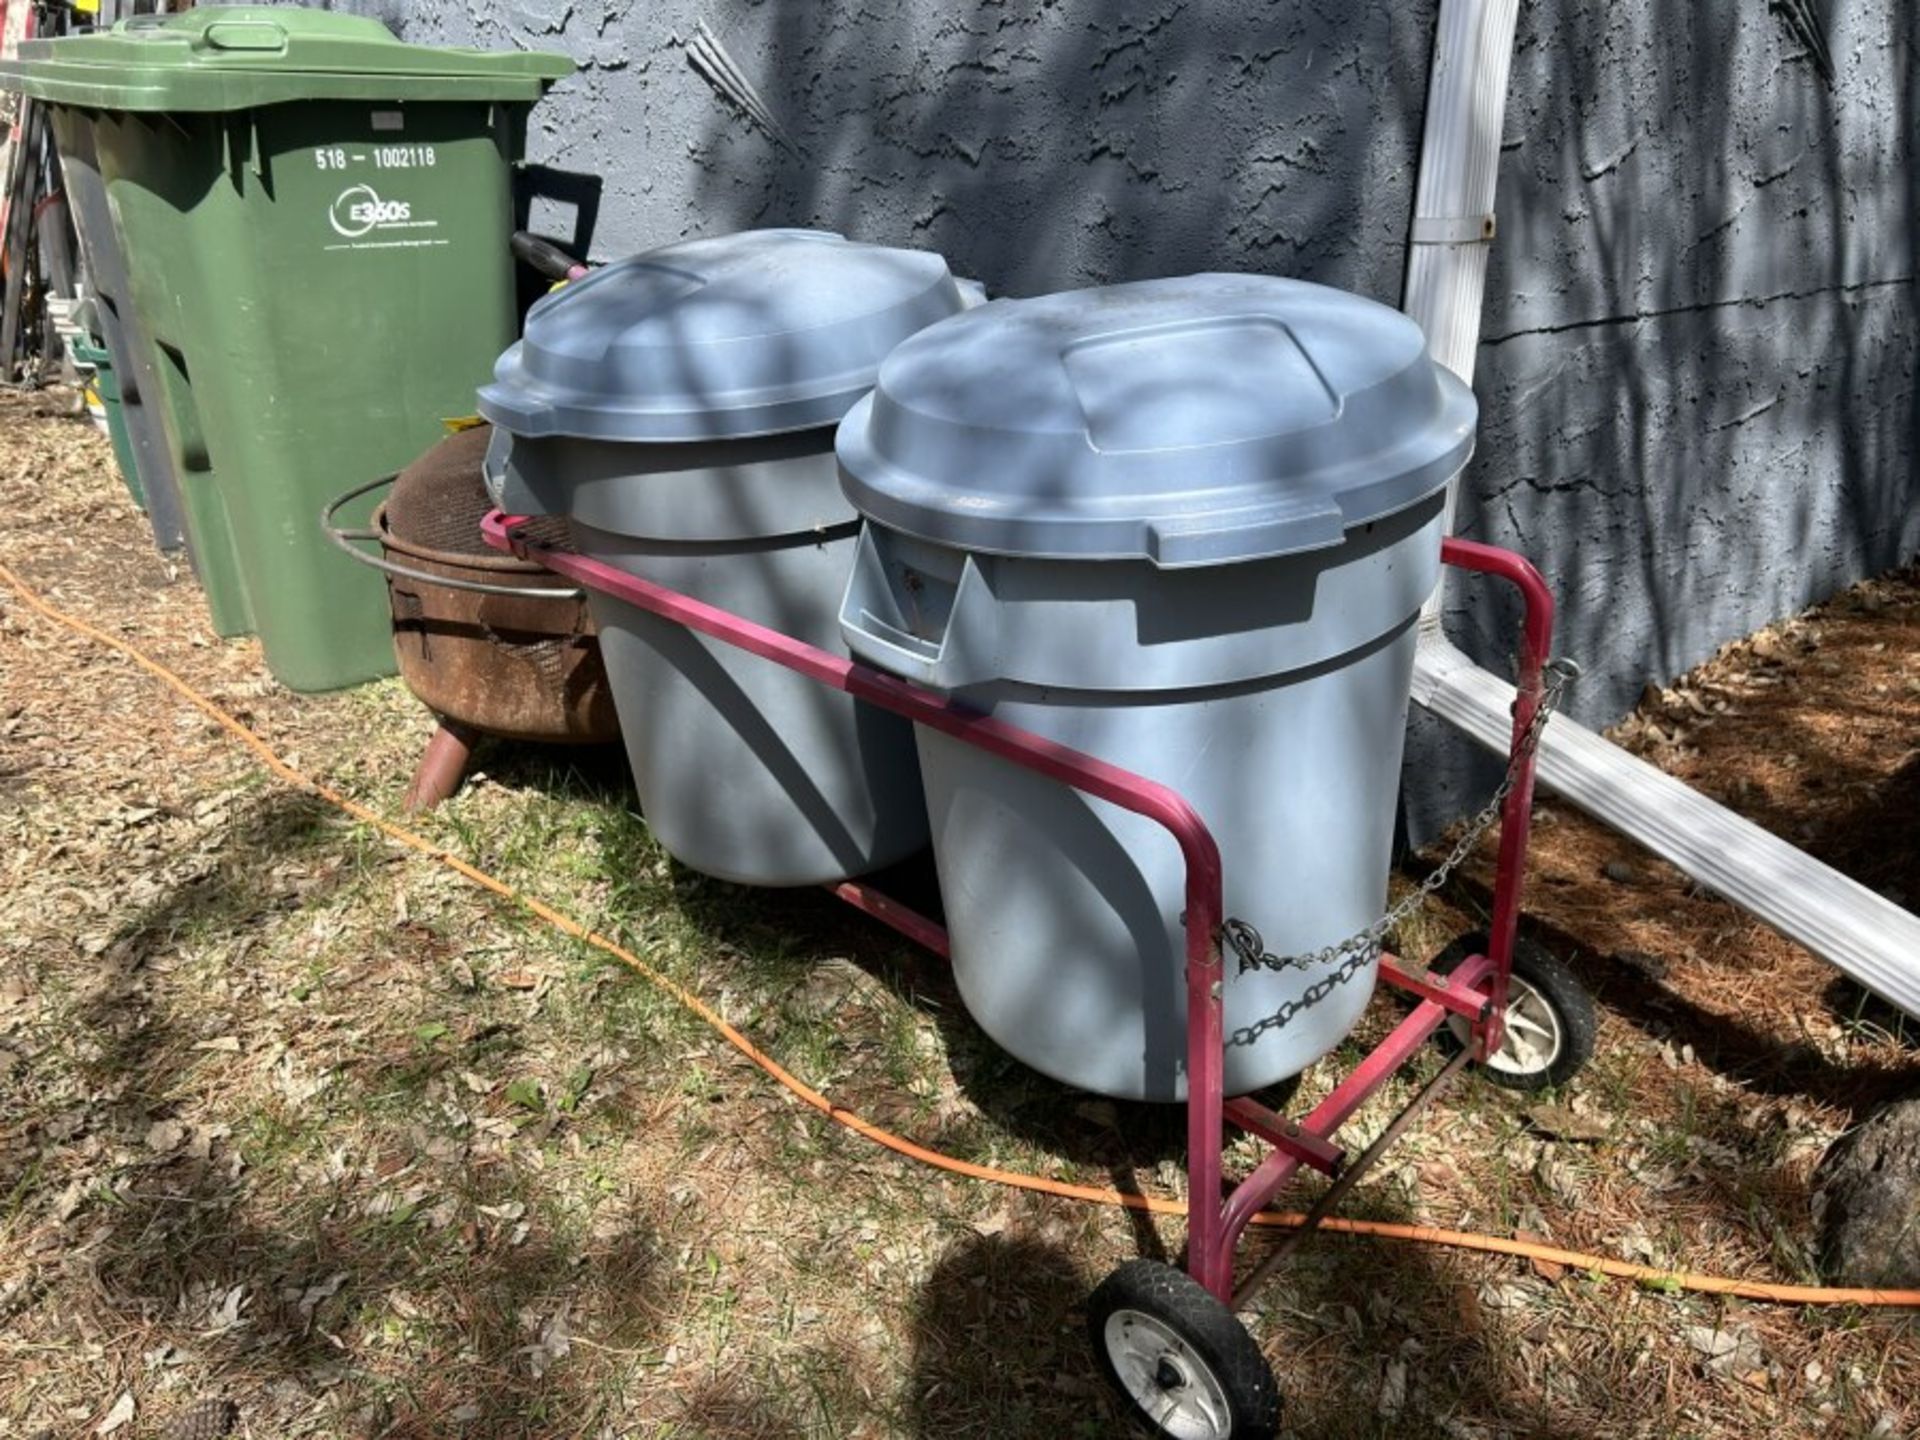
(749, 334)
(1188, 422)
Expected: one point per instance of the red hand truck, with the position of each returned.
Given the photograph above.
(1169, 1340)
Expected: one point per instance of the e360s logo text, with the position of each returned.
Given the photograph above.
(359, 211)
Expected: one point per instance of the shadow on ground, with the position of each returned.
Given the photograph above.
(1750, 1050)
(253, 1230)
(1000, 1347)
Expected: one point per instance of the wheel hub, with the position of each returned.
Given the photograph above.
(1532, 1038)
(1167, 1378)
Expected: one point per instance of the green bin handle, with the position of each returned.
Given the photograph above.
(256, 34)
(245, 35)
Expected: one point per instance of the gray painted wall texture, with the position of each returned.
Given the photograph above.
(1698, 366)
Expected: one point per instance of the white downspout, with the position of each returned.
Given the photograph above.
(1453, 217)
(1867, 936)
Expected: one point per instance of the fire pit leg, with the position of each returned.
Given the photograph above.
(443, 767)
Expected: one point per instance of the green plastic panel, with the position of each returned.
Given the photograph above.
(107, 386)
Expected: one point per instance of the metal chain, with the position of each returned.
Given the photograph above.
(1358, 951)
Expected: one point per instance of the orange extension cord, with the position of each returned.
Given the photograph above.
(1090, 1194)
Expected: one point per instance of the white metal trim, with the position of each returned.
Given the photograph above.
(1455, 229)
(1840, 920)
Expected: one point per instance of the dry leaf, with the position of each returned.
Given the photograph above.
(69, 1202)
(1548, 1270)
(1634, 1244)
(121, 1414)
(556, 1341)
(200, 1147)
(1504, 1295)
(1731, 1354)
(313, 1295)
(165, 1136)
(558, 1336)
(1563, 1180)
(1561, 1123)
(226, 1045)
(226, 1314)
(1393, 1389)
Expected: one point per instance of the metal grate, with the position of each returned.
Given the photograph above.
(548, 657)
(440, 499)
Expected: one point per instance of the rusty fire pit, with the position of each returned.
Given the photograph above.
(491, 644)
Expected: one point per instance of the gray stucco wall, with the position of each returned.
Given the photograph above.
(1699, 347)
(1697, 369)
(1034, 146)
(1697, 377)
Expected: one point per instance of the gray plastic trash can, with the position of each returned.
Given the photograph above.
(1185, 526)
(679, 407)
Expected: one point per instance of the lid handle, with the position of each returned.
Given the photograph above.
(245, 35)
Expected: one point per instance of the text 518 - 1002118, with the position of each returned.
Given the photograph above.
(384, 157)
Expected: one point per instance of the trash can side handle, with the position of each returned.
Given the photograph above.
(493, 463)
(508, 485)
(960, 654)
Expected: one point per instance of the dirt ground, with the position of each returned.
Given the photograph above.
(295, 1118)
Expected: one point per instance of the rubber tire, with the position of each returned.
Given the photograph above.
(1568, 998)
(1181, 1303)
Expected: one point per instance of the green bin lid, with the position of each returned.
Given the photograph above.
(238, 57)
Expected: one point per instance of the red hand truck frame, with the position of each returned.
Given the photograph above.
(1476, 990)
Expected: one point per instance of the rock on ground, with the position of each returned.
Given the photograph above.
(1869, 1198)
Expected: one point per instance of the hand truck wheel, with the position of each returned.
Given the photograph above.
(1185, 1365)
(1551, 1022)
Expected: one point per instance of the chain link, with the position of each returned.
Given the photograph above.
(1360, 950)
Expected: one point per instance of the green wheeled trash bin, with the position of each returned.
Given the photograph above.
(315, 218)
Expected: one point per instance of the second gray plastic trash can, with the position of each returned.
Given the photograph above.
(679, 407)
(1185, 526)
